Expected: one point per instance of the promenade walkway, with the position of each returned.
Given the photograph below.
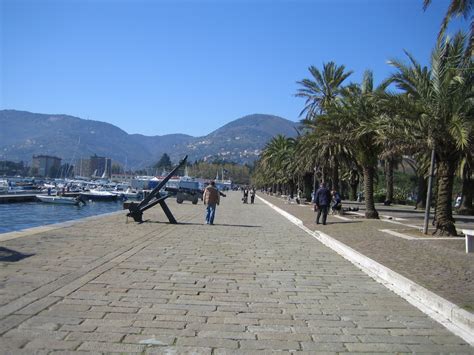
(253, 282)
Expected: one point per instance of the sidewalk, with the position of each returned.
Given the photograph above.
(253, 282)
(442, 266)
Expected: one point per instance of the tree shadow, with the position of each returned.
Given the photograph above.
(10, 255)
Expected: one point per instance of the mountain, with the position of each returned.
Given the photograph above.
(24, 134)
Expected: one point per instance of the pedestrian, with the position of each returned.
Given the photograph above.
(322, 199)
(211, 199)
(252, 195)
(457, 201)
(336, 202)
(245, 199)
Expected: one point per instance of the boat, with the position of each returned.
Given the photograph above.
(98, 195)
(4, 186)
(63, 200)
(128, 194)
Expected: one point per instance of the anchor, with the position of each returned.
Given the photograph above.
(136, 209)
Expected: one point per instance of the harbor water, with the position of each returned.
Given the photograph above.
(19, 216)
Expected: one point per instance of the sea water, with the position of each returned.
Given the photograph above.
(18, 216)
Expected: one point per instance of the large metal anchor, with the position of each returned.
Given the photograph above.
(136, 209)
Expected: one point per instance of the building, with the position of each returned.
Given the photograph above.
(100, 166)
(95, 167)
(46, 165)
(82, 168)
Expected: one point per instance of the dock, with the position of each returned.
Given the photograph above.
(17, 198)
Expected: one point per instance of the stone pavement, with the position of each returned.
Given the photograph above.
(252, 283)
(440, 265)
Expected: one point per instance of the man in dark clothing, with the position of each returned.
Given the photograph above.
(322, 199)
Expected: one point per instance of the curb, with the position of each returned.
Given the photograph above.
(449, 315)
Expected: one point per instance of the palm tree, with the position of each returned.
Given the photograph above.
(360, 113)
(445, 95)
(456, 8)
(276, 161)
(321, 94)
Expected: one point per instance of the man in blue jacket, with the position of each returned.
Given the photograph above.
(322, 199)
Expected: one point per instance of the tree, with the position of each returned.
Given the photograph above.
(117, 168)
(276, 161)
(360, 114)
(322, 93)
(444, 94)
(456, 8)
(163, 163)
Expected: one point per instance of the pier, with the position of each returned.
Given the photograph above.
(17, 198)
(252, 282)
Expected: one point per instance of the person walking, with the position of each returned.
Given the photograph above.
(245, 199)
(211, 199)
(336, 202)
(252, 195)
(322, 199)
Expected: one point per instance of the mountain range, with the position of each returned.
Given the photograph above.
(24, 134)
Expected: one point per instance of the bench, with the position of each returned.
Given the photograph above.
(469, 233)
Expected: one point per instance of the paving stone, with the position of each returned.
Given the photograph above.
(169, 332)
(247, 352)
(111, 347)
(269, 345)
(129, 316)
(148, 339)
(107, 337)
(225, 335)
(109, 322)
(447, 349)
(52, 344)
(26, 352)
(207, 342)
(9, 343)
(323, 347)
(121, 330)
(159, 324)
(178, 350)
(216, 327)
(32, 334)
(376, 347)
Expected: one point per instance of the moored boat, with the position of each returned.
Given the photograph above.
(98, 195)
(4, 186)
(59, 199)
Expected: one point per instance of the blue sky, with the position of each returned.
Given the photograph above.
(159, 67)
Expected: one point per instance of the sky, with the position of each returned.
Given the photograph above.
(157, 67)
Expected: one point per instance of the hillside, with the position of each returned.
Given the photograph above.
(25, 134)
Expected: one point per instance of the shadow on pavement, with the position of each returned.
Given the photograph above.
(12, 255)
(203, 224)
(236, 225)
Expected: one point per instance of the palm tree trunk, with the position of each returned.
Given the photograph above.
(422, 189)
(467, 191)
(370, 211)
(354, 183)
(335, 174)
(444, 211)
(389, 179)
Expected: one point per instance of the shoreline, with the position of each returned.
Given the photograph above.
(49, 227)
